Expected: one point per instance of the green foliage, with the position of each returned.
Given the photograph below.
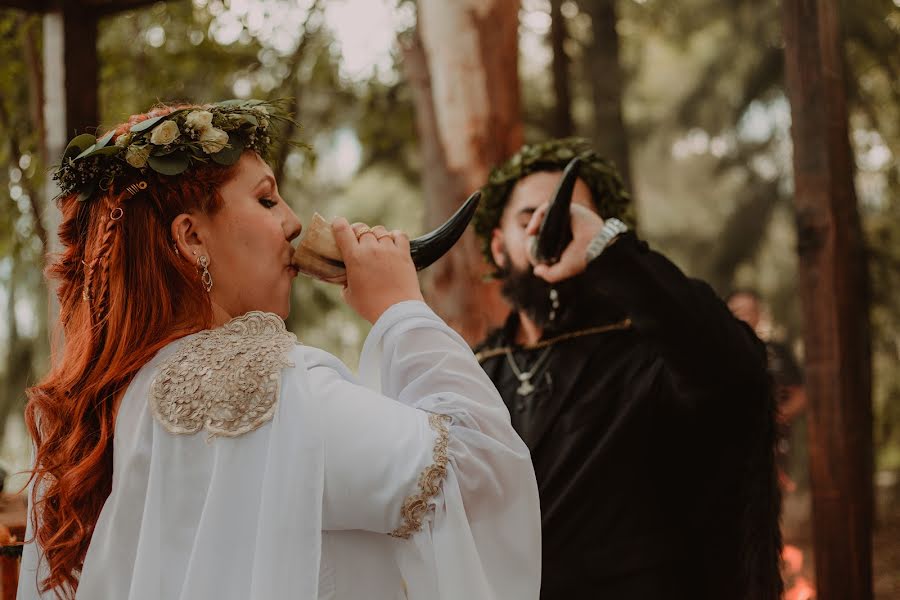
(386, 127)
(170, 144)
(184, 63)
(23, 350)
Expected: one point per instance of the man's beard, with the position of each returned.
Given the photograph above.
(530, 294)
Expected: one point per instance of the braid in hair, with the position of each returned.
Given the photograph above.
(71, 267)
(108, 228)
(88, 276)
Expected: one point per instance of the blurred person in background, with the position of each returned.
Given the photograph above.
(787, 378)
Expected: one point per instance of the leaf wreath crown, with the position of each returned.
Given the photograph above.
(170, 144)
(602, 178)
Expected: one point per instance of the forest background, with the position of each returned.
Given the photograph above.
(687, 97)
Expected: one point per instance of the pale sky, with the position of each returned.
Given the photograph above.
(365, 30)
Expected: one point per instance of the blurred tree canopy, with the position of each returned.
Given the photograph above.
(703, 112)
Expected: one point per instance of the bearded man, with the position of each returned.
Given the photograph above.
(646, 405)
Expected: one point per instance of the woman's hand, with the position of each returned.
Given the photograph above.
(586, 224)
(380, 271)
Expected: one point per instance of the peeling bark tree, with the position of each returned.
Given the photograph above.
(462, 65)
(833, 293)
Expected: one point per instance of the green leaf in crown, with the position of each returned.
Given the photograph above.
(170, 144)
(230, 153)
(78, 145)
(173, 163)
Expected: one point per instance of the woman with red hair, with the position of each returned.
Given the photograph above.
(187, 447)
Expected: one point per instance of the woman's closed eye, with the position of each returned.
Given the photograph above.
(268, 202)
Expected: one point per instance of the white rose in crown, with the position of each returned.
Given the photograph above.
(137, 156)
(213, 140)
(199, 120)
(164, 133)
(123, 140)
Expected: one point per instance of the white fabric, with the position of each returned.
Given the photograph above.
(299, 508)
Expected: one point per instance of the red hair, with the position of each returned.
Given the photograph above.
(123, 293)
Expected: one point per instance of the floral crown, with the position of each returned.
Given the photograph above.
(170, 144)
(606, 186)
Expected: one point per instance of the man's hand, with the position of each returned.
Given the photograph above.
(586, 224)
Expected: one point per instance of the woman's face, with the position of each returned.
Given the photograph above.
(247, 243)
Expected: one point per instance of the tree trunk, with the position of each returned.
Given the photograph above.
(607, 83)
(462, 66)
(31, 50)
(561, 125)
(834, 296)
(31, 47)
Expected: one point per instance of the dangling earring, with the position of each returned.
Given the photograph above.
(205, 277)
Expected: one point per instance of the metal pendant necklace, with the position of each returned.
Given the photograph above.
(525, 386)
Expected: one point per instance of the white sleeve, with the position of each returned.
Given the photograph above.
(375, 449)
(431, 457)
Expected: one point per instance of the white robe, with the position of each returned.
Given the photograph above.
(300, 506)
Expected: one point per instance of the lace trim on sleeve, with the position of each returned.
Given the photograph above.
(430, 480)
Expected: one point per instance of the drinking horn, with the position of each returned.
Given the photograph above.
(318, 255)
(556, 229)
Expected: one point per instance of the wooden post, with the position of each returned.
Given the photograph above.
(833, 286)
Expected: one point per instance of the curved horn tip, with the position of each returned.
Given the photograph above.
(556, 230)
(431, 246)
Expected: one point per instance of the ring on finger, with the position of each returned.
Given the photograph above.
(384, 235)
(363, 231)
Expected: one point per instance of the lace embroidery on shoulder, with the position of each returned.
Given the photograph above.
(415, 506)
(225, 380)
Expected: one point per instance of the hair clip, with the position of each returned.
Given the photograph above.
(134, 188)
